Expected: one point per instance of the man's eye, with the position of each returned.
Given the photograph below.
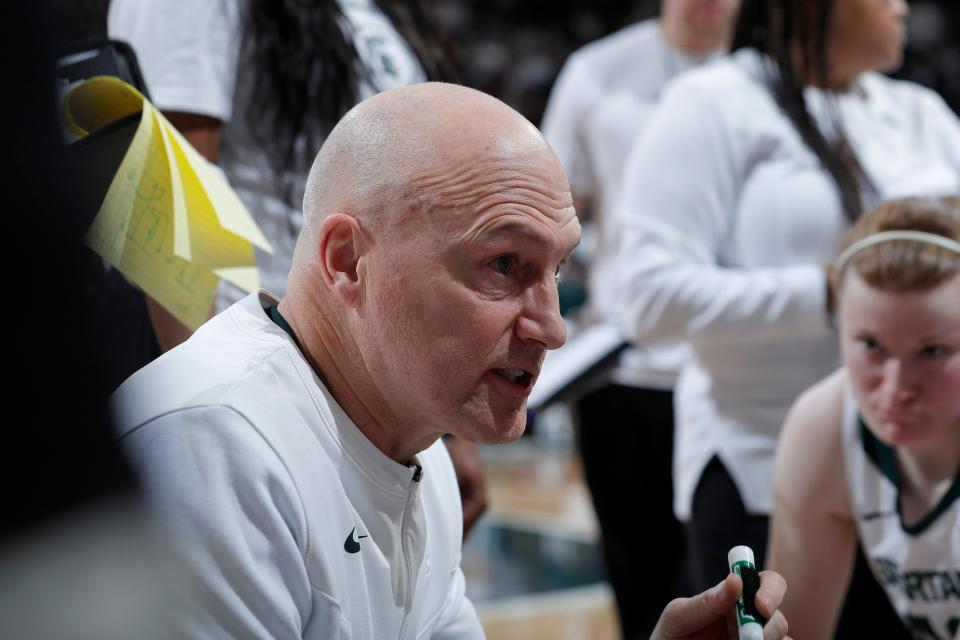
(503, 265)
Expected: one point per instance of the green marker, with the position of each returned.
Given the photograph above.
(740, 559)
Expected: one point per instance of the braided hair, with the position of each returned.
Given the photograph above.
(772, 27)
(308, 72)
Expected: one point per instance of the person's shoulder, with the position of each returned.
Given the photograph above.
(233, 349)
(726, 94)
(818, 411)
(628, 43)
(610, 52)
(734, 75)
(905, 96)
(809, 472)
(812, 431)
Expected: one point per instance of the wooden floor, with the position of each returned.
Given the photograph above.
(573, 614)
(532, 565)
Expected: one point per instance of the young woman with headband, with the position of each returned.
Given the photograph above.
(872, 453)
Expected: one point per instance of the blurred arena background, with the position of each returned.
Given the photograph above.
(533, 565)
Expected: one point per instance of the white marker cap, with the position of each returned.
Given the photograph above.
(740, 553)
(749, 629)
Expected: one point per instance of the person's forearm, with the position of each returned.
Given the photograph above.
(816, 555)
(203, 132)
(668, 298)
(168, 330)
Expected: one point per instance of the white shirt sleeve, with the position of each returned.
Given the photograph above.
(678, 205)
(187, 50)
(571, 100)
(228, 499)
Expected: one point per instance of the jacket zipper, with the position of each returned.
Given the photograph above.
(405, 548)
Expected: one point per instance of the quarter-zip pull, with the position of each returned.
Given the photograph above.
(405, 533)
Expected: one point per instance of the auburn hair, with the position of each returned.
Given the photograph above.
(904, 265)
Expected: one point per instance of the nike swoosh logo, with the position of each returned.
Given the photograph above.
(875, 515)
(351, 544)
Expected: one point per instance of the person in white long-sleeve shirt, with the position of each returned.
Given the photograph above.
(601, 100)
(292, 446)
(735, 194)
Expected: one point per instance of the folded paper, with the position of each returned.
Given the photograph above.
(169, 221)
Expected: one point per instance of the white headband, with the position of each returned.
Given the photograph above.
(887, 236)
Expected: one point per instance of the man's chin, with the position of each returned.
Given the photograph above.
(512, 434)
(502, 433)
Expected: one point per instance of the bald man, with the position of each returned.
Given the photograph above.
(294, 445)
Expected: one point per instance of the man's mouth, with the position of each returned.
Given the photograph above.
(514, 375)
(517, 381)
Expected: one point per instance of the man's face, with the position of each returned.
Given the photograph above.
(462, 295)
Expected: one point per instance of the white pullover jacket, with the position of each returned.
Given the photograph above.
(298, 526)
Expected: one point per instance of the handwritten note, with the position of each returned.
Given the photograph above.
(169, 221)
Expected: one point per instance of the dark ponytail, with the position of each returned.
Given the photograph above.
(306, 73)
(416, 22)
(771, 27)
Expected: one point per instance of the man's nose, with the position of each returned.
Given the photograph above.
(540, 320)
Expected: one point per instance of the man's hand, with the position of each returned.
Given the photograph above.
(470, 477)
(710, 615)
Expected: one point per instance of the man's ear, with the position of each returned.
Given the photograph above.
(341, 245)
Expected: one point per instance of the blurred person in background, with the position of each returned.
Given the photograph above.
(872, 453)
(255, 85)
(734, 198)
(602, 99)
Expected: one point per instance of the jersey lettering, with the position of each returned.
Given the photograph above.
(921, 586)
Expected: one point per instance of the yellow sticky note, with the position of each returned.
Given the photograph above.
(137, 217)
(108, 233)
(247, 278)
(169, 221)
(181, 235)
(230, 211)
(98, 102)
(199, 231)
